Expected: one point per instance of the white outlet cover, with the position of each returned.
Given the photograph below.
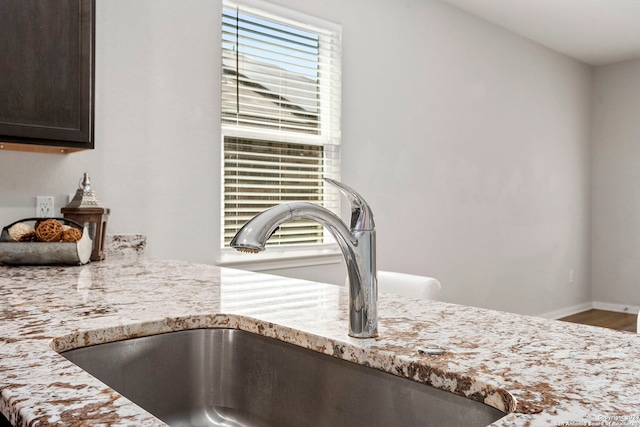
(44, 207)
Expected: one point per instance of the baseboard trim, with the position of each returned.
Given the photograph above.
(620, 308)
(567, 311)
(575, 309)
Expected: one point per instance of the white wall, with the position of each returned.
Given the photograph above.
(471, 144)
(157, 133)
(616, 184)
(472, 147)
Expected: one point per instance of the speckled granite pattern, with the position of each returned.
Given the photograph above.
(545, 373)
(124, 245)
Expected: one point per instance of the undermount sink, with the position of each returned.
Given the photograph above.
(232, 378)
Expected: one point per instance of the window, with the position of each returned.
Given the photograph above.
(280, 116)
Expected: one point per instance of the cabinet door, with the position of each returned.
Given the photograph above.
(47, 72)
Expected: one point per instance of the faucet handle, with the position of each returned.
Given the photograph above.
(361, 215)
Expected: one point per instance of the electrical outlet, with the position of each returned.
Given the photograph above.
(44, 206)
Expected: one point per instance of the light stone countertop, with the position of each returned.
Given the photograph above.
(545, 373)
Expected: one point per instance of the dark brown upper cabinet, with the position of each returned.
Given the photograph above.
(47, 74)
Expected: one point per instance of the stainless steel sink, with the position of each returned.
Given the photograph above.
(225, 377)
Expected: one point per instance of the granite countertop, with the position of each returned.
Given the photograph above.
(544, 373)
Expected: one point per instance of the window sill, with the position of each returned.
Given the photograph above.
(275, 259)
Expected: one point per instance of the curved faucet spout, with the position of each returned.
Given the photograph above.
(358, 246)
(253, 236)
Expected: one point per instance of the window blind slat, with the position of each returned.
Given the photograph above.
(258, 200)
(270, 171)
(284, 33)
(279, 125)
(293, 153)
(262, 57)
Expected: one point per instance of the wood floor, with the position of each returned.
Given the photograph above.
(605, 319)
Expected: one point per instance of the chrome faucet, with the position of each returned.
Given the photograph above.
(357, 243)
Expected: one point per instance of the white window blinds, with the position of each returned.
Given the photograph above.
(280, 116)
